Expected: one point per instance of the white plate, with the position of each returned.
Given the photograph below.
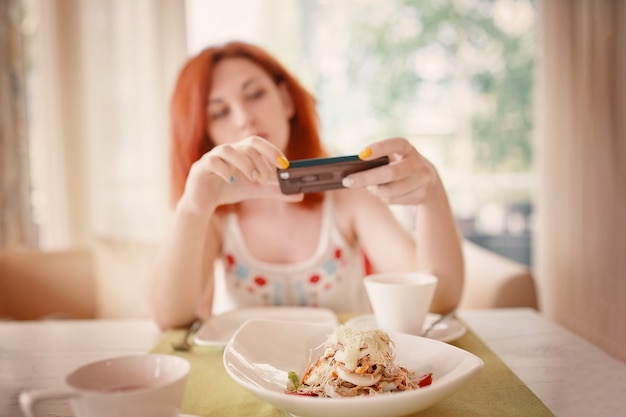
(446, 331)
(262, 352)
(217, 330)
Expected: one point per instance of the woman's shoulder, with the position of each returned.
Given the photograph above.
(350, 203)
(351, 199)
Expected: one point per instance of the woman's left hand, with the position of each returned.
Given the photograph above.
(408, 179)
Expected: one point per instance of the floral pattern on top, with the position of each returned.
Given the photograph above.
(331, 278)
(269, 289)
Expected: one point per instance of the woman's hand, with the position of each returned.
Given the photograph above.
(409, 179)
(231, 173)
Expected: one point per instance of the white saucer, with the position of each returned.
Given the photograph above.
(217, 330)
(446, 331)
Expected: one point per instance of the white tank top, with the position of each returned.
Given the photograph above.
(332, 278)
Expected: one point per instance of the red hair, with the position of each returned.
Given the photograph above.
(190, 138)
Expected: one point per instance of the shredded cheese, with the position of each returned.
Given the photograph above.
(360, 343)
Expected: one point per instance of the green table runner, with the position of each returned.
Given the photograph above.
(495, 391)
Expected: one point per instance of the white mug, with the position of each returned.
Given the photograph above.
(401, 300)
(150, 385)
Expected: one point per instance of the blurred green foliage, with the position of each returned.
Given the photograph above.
(496, 63)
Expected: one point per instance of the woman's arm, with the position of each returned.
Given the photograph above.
(181, 283)
(412, 180)
(439, 249)
(182, 272)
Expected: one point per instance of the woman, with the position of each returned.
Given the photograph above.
(237, 115)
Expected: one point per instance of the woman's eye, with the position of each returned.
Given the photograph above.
(218, 114)
(256, 94)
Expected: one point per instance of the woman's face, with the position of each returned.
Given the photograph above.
(245, 101)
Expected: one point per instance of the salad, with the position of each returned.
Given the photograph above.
(355, 362)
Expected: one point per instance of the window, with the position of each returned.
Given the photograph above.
(454, 77)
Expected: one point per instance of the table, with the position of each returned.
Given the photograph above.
(570, 375)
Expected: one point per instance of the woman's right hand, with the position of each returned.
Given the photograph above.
(230, 173)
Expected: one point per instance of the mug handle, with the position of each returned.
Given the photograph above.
(28, 399)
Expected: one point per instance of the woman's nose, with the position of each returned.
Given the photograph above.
(243, 116)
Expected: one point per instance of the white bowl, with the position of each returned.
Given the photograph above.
(262, 352)
(136, 385)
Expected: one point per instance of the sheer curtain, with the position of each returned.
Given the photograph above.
(581, 238)
(16, 226)
(106, 69)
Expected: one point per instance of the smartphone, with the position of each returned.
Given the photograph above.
(322, 174)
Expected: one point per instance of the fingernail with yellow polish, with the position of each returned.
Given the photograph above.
(282, 162)
(365, 153)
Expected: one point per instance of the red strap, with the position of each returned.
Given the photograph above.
(367, 265)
